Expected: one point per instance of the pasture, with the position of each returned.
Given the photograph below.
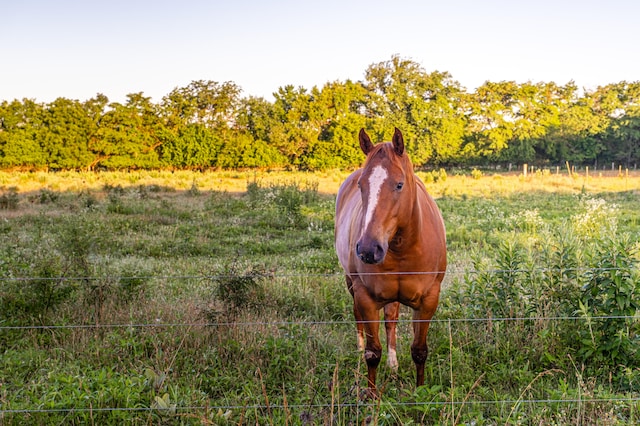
(217, 298)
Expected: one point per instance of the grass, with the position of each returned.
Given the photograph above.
(216, 298)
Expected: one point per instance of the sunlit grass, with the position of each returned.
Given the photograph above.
(455, 184)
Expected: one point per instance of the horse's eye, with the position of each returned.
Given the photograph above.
(399, 186)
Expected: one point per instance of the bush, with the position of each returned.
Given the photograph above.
(476, 174)
(283, 202)
(579, 267)
(610, 302)
(9, 200)
(235, 291)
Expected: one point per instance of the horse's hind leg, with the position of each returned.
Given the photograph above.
(391, 313)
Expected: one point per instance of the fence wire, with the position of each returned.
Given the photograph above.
(336, 405)
(309, 323)
(332, 406)
(447, 272)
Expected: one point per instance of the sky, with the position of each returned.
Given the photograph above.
(76, 49)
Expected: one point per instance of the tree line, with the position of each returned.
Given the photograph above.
(210, 125)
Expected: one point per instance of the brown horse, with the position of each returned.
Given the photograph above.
(390, 240)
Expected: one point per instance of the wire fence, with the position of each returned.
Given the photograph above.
(447, 272)
(337, 405)
(216, 277)
(311, 323)
(633, 398)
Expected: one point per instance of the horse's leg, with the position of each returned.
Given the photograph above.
(421, 318)
(391, 313)
(357, 316)
(369, 314)
(359, 328)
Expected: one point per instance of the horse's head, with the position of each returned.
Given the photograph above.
(387, 188)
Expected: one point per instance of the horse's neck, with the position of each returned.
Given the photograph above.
(412, 228)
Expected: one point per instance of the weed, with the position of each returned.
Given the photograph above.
(236, 290)
(194, 190)
(9, 199)
(46, 196)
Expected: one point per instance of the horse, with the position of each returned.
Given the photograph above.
(391, 242)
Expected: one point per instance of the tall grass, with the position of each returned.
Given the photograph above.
(179, 303)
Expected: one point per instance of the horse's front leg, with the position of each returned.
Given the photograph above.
(369, 310)
(358, 317)
(391, 313)
(419, 349)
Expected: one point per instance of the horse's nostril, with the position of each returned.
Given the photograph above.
(378, 255)
(370, 253)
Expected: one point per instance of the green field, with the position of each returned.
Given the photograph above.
(216, 298)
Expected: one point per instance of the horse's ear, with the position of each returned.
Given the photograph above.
(398, 142)
(365, 142)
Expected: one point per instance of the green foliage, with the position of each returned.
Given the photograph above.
(401, 94)
(20, 128)
(208, 125)
(610, 302)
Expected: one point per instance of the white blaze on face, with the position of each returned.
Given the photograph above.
(376, 179)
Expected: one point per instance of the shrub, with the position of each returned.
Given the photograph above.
(610, 302)
(46, 196)
(9, 200)
(235, 291)
(282, 202)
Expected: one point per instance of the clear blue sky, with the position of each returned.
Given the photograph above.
(75, 49)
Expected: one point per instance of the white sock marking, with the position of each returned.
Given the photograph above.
(392, 360)
(360, 342)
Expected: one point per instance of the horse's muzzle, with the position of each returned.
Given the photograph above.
(371, 252)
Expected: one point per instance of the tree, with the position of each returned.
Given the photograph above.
(65, 135)
(20, 126)
(577, 135)
(128, 136)
(190, 146)
(293, 132)
(257, 117)
(617, 106)
(491, 119)
(427, 107)
(205, 102)
(336, 111)
(625, 126)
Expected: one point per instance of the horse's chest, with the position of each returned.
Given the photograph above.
(383, 290)
(395, 288)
